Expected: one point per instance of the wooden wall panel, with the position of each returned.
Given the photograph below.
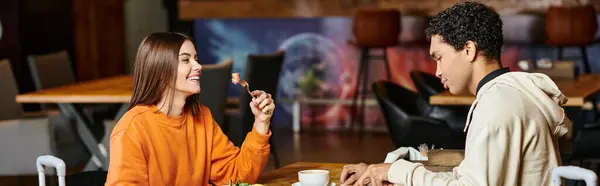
(191, 9)
(9, 30)
(45, 26)
(99, 32)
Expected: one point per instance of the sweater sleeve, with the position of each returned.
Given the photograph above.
(231, 162)
(127, 161)
(486, 161)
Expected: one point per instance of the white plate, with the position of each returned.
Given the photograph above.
(298, 184)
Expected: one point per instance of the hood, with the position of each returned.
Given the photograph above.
(545, 95)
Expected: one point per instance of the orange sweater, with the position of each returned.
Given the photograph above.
(148, 147)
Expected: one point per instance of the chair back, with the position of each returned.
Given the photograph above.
(51, 70)
(9, 108)
(406, 100)
(215, 82)
(376, 28)
(582, 28)
(262, 73)
(406, 125)
(427, 84)
(394, 120)
(395, 117)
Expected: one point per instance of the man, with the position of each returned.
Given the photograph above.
(512, 126)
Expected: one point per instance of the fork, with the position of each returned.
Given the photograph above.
(246, 86)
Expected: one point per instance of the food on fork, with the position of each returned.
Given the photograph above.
(235, 78)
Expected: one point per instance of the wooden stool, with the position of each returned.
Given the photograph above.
(572, 26)
(525, 30)
(373, 29)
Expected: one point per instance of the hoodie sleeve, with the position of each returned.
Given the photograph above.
(487, 153)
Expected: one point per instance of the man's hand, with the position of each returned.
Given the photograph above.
(376, 174)
(351, 173)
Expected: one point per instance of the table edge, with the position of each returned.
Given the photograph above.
(27, 98)
(465, 100)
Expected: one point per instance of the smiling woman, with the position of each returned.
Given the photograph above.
(157, 68)
(167, 137)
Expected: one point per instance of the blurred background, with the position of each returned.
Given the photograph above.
(334, 52)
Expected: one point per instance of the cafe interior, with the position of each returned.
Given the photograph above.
(352, 80)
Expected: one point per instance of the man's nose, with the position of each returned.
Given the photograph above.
(438, 72)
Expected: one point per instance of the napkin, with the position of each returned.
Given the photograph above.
(402, 152)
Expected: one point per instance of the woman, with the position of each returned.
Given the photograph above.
(168, 138)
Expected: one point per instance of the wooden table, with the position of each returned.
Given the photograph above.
(289, 174)
(577, 91)
(438, 161)
(107, 90)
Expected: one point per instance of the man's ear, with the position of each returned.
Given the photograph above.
(470, 50)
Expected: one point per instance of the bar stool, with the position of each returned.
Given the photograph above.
(524, 30)
(373, 29)
(572, 26)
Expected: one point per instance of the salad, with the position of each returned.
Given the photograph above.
(238, 183)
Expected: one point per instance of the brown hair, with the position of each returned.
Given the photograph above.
(155, 71)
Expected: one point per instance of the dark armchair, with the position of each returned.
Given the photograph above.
(262, 73)
(428, 85)
(215, 81)
(403, 111)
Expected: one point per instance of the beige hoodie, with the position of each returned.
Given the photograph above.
(511, 138)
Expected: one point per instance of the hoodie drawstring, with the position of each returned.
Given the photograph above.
(473, 105)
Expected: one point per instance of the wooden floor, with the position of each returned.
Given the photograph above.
(316, 146)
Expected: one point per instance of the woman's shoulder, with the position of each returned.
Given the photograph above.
(204, 109)
(203, 115)
(134, 118)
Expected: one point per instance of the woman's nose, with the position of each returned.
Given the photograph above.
(196, 66)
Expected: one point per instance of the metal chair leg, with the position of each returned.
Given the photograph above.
(586, 63)
(387, 65)
(274, 153)
(359, 77)
(560, 53)
(365, 91)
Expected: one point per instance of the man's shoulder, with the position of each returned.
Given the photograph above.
(502, 96)
(496, 110)
(503, 105)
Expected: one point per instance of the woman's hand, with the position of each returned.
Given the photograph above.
(262, 107)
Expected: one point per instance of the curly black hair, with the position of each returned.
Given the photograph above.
(469, 21)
